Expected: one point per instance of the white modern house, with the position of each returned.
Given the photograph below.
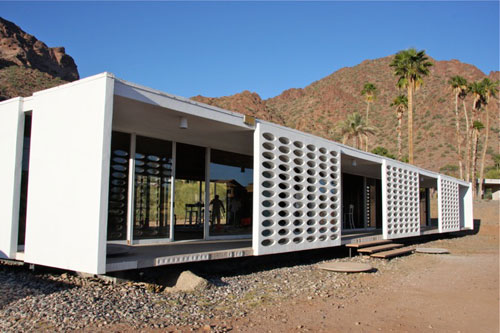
(102, 161)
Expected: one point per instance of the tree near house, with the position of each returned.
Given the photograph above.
(401, 104)
(478, 92)
(490, 90)
(382, 151)
(468, 134)
(370, 93)
(354, 127)
(410, 66)
(458, 84)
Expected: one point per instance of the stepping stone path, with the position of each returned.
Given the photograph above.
(346, 267)
(431, 250)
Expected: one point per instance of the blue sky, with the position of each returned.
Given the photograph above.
(221, 48)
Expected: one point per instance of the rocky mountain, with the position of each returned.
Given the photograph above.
(320, 106)
(28, 65)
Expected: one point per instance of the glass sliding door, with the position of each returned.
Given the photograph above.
(231, 190)
(189, 196)
(152, 194)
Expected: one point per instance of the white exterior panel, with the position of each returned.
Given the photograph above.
(297, 202)
(448, 205)
(11, 150)
(400, 200)
(69, 174)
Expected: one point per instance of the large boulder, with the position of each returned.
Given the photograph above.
(188, 282)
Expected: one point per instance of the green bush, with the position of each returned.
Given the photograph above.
(383, 152)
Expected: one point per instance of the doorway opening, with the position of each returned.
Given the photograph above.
(231, 193)
(189, 196)
(361, 194)
(428, 203)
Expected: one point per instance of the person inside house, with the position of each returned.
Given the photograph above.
(217, 206)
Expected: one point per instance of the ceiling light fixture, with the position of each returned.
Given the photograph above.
(183, 123)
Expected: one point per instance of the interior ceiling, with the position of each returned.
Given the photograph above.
(373, 170)
(361, 168)
(132, 116)
(428, 182)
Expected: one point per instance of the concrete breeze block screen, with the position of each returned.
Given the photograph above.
(297, 191)
(449, 219)
(401, 191)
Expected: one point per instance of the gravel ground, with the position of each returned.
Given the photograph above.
(36, 301)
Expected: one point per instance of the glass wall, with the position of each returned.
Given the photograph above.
(118, 186)
(189, 192)
(153, 172)
(231, 190)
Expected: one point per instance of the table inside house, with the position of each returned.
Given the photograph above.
(194, 212)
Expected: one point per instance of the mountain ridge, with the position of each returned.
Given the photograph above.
(28, 65)
(321, 105)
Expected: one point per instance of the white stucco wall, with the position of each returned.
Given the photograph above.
(11, 150)
(68, 178)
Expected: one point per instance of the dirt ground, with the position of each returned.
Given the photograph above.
(458, 292)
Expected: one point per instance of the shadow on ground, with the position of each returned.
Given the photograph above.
(216, 269)
(18, 282)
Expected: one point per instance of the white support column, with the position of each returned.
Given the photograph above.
(440, 204)
(131, 190)
(384, 199)
(11, 150)
(172, 193)
(468, 209)
(206, 224)
(68, 190)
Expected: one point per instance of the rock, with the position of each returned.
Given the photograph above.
(22, 49)
(188, 282)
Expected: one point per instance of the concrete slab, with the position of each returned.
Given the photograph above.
(431, 250)
(117, 250)
(142, 256)
(346, 267)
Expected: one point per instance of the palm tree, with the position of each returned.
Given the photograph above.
(477, 126)
(458, 85)
(401, 104)
(490, 90)
(478, 93)
(354, 127)
(369, 91)
(410, 66)
(468, 135)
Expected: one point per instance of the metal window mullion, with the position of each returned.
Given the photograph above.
(172, 189)
(131, 190)
(365, 202)
(206, 217)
